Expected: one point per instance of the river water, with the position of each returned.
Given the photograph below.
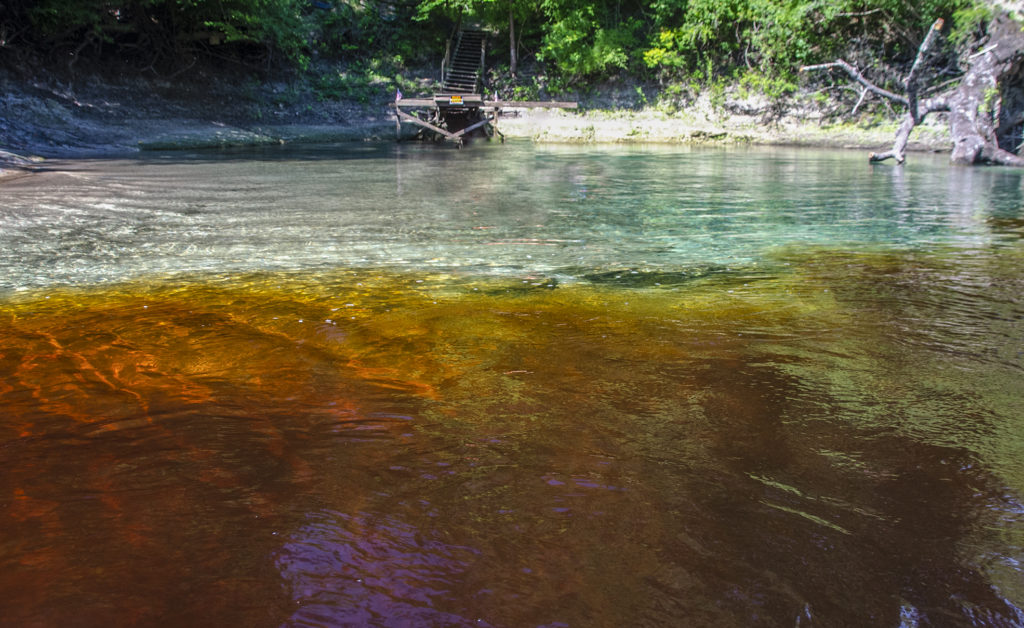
(512, 386)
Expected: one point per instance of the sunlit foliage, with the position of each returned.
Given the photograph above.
(667, 40)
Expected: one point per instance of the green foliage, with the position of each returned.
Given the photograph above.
(360, 30)
(772, 37)
(990, 101)
(363, 82)
(771, 86)
(968, 21)
(596, 39)
(276, 23)
(163, 28)
(758, 43)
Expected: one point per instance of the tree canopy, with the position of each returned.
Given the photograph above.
(665, 40)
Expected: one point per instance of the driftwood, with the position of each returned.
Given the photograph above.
(985, 109)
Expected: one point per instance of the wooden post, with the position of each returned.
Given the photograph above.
(494, 124)
(398, 122)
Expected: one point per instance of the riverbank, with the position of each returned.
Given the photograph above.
(94, 116)
(703, 124)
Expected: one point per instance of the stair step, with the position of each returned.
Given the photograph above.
(464, 72)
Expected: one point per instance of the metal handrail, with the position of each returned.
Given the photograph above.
(456, 30)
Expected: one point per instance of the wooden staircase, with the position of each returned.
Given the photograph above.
(463, 71)
(459, 109)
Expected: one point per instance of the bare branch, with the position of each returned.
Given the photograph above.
(983, 51)
(859, 14)
(975, 103)
(922, 54)
(857, 76)
(943, 85)
(860, 101)
(899, 146)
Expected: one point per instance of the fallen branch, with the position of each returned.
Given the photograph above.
(916, 111)
(857, 76)
(899, 146)
(919, 60)
(860, 101)
(975, 104)
(859, 14)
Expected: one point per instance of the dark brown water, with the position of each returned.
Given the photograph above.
(833, 436)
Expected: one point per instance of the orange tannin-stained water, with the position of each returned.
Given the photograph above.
(353, 448)
(516, 385)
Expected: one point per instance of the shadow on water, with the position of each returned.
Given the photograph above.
(340, 153)
(808, 521)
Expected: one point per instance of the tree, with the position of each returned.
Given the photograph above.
(152, 31)
(986, 109)
(495, 13)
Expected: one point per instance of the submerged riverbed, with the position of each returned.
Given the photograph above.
(512, 385)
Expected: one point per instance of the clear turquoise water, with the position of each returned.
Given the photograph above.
(496, 210)
(512, 385)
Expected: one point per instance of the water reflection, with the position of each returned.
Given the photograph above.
(379, 449)
(507, 210)
(366, 569)
(819, 435)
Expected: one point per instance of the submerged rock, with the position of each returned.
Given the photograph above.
(635, 278)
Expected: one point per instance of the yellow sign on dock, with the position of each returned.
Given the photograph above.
(455, 100)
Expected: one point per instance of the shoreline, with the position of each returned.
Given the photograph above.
(84, 134)
(698, 126)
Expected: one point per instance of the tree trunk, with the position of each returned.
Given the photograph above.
(513, 49)
(986, 110)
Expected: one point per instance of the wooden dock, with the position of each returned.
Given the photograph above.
(453, 117)
(460, 109)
